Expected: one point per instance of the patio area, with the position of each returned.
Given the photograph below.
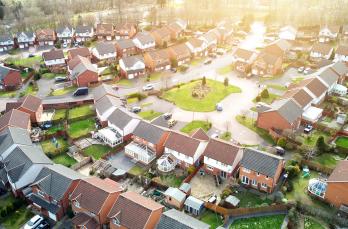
(121, 161)
(85, 142)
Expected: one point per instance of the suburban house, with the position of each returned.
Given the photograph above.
(328, 33)
(341, 53)
(267, 64)
(65, 34)
(330, 78)
(279, 47)
(162, 36)
(25, 39)
(51, 190)
(341, 68)
(148, 142)
(54, 59)
(132, 67)
(83, 51)
(198, 47)
(132, 210)
(91, 201)
(105, 106)
(123, 123)
(175, 197)
(84, 72)
(260, 170)
(6, 42)
(178, 219)
(302, 96)
(105, 32)
(144, 41)
(10, 78)
(280, 115)
(337, 184)
(243, 60)
(221, 158)
(223, 33)
(84, 33)
(105, 51)
(103, 90)
(21, 166)
(29, 104)
(187, 151)
(157, 60)
(45, 37)
(176, 30)
(321, 51)
(179, 54)
(200, 134)
(125, 47)
(307, 33)
(15, 118)
(288, 33)
(211, 39)
(125, 30)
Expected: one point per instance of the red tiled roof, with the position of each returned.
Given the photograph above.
(79, 52)
(200, 134)
(340, 173)
(82, 219)
(221, 151)
(133, 210)
(15, 118)
(182, 143)
(30, 102)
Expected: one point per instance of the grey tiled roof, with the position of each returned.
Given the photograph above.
(5, 37)
(44, 204)
(55, 180)
(174, 219)
(107, 102)
(194, 203)
(83, 29)
(105, 48)
(288, 109)
(144, 38)
(341, 68)
(13, 135)
(329, 76)
(126, 43)
(262, 162)
(121, 117)
(149, 132)
(102, 90)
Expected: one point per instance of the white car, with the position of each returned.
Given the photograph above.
(215, 135)
(307, 71)
(300, 69)
(148, 87)
(34, 222)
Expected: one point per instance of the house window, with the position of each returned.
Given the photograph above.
(41, 193)
(245, 180)
(254, 183)
(246, 170)
(116, 221)
(77, 204)
(258, 174)
(210, 168)
(267, 177)
(264, 185)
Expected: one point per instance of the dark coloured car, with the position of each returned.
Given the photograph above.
(81, 91)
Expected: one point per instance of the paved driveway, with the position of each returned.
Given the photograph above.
(121, 161)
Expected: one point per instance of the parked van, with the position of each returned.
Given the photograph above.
(81, 91)
(171, 123)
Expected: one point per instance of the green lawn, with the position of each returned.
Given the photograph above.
(25, 62)
(328, 160)
(97, 151)
(183, 98)
(149, 115)
(49, 147)
(342, 142)
(132, 100)
(311, 139)
(169, 180)
(196, 62)
(59, 114)
(155, 76)
(81, 111)
(125, 82)
(297, 80)
(9, 94)
(24, 75)
(264, 222)
(224, 70)
(211, 218)
(64, 159)
(54, 129)
(277, 87)
(251, 124)
(190, 127)
(4, 202)
(268, 100)
(310, 223)
(136, 170)
(17, 218)
(63, 91)
(81, 128)
(30, 90)
(226, 136)
(50, 75)
(248, 199)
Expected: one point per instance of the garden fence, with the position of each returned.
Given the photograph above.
(82, 163)
(316, 167)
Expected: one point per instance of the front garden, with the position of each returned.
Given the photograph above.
(149, 115)
(196, 124)
(201, 95)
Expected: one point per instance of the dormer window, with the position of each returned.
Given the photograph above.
(77, 204)
(116, 221)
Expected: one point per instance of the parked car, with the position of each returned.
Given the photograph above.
(43, 225)
(219, 107)
(215, 135)
(31, 55)
(65, 45)
(34, 222)
(148, 87)
(280, 151)
(171, 122)
(208, 61)
(300, 69)
(212, 199)
(307, 71)
(46, 125)
(81, 91)
(308, 128)
(167, 116)
(136, 109)
(60, 79)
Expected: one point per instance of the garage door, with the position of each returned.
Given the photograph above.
(52, 216)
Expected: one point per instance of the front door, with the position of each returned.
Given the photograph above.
(223, 174)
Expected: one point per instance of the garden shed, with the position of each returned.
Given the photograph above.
(193, 205)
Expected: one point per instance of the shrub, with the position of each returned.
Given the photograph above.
(37, 76)
(174, 63)
(43, 70)
(293, 171)
(225, 193)
(293, 217)
(58, 45)
(88, 43)
(258, 98)
(204, 81)
(289, 186)
(264, 94)
(281, 142)
(139, 96)
(191, 169)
